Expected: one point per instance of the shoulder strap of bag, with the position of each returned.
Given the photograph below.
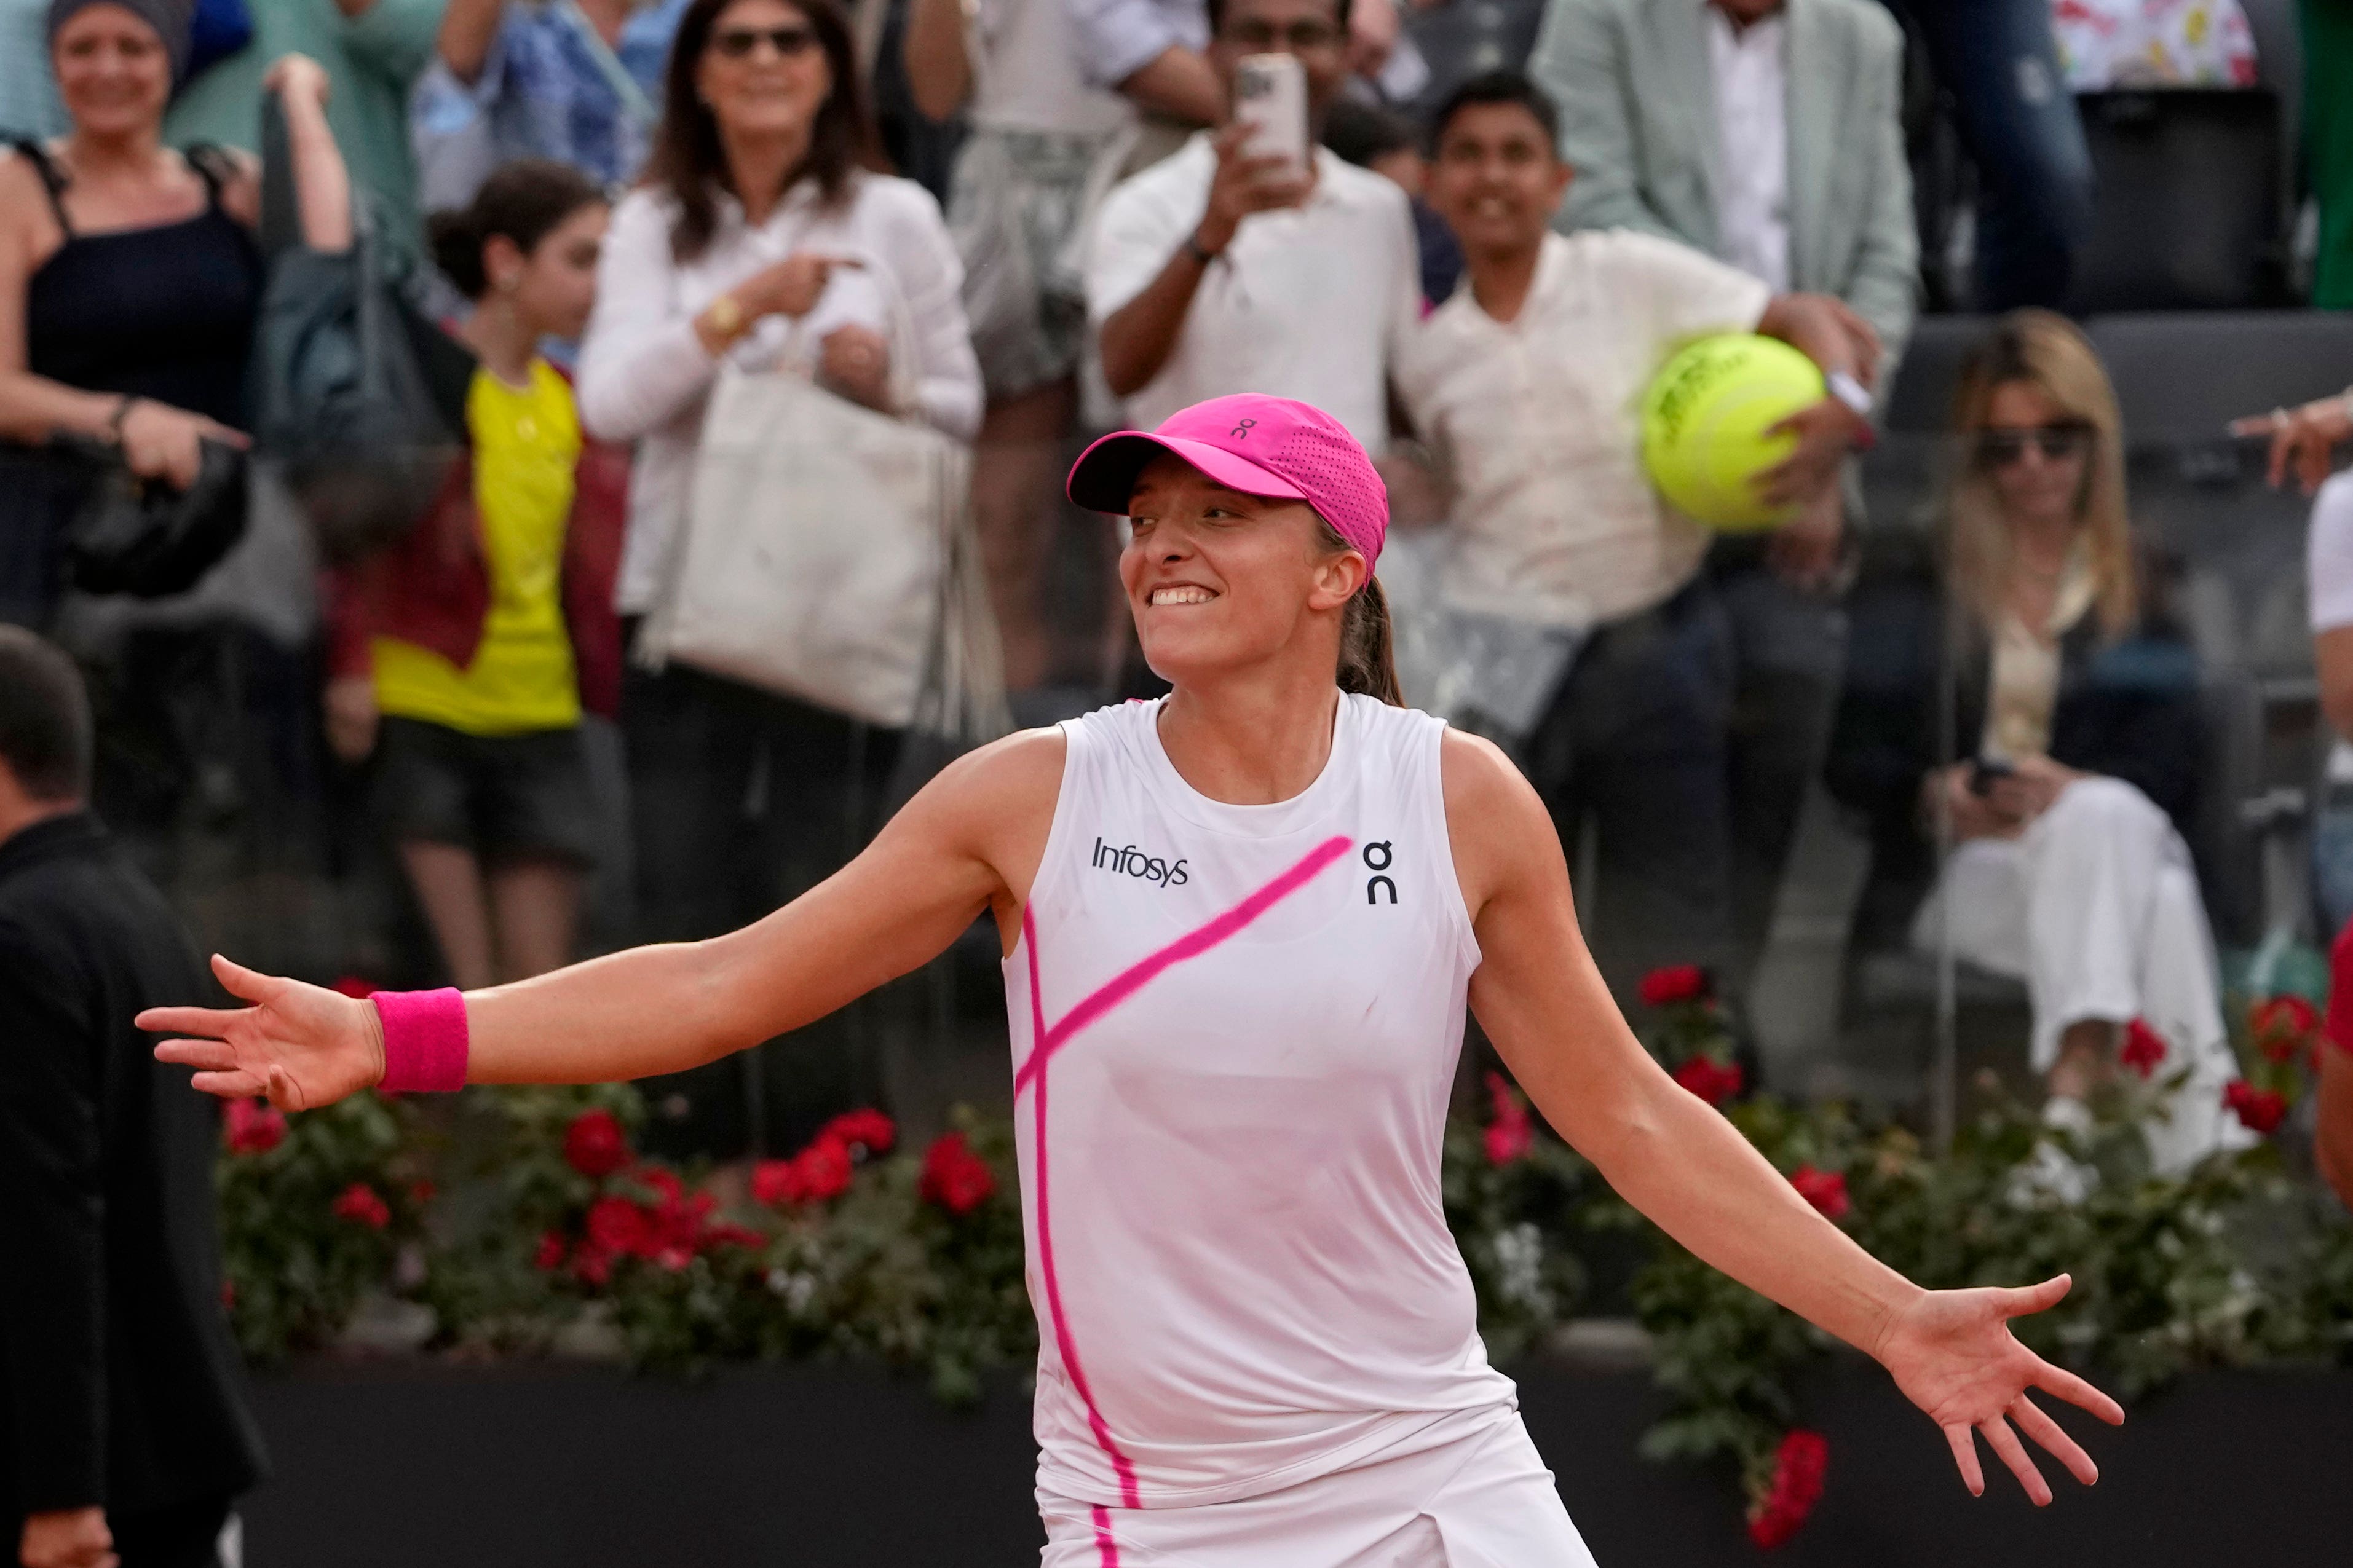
(634, 102)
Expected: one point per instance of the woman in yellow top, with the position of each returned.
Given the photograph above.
(465, 655)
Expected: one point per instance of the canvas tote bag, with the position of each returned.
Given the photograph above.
(827, 554)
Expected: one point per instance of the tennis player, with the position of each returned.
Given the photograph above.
(1240, 925)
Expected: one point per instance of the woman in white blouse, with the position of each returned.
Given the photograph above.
(763, 234)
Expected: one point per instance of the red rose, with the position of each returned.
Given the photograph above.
(2144, 1048)
(359, 1204)
(620, 1227)
(354, 986)
(823, 1169)
(252, 1127)
(1675, 983)
(775, 1182)
(1798, 1469)
(1711, 1082)
(719, 1235)
(869, 1130)
(1510, 1134)
(421, 1193)
(2260, 1109)
(1826, 1190)
(2284, 1026)
(551, 1251)
(595, 1145)
(954, 1177)
(592, 1265)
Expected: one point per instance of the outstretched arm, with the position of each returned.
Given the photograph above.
(969, 842)
(1544, 1004)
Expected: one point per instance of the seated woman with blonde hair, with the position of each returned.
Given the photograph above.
(2075, 713)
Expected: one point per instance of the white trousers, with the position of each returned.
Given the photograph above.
(1468, 1491)
(2095, 907)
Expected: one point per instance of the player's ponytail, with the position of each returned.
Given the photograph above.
(1367, 651)
(1368, 660)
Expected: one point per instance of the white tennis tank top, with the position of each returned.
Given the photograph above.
(1234, 1033)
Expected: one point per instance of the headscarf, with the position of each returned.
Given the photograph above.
(173, 21)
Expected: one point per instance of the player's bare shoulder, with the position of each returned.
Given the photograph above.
(1495, 822)
(998, 801)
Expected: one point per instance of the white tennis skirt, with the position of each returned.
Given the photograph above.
(1468, 1491)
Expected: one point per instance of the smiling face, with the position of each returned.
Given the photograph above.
(1220, 582)
(113, 74)
(1496, 179)
(764, 72)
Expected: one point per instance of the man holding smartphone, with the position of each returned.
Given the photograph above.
(1253, 261)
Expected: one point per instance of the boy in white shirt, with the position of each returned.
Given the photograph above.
(1524, 386)
(1217, 271)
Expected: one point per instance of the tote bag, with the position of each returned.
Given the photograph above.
(827, 556)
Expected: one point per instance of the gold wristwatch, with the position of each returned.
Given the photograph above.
(726, 316)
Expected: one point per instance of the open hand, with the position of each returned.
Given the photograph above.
(301, 1045)
(1952, 1354)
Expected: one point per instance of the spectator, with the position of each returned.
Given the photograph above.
(2305, 440)
(760, 231)
(2077, 695)
(125, 1436)
(577, 82)
(129, 276)
(1387, 142)
(1019, 197)
(1999, 59)
(29, 93)
(1790, 168)
(1217, 271)
(2106, 44)
(464, 655)
(372, 51)
(1525, 383)
(2329, 581)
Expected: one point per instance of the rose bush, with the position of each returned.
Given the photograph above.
(558, 1222)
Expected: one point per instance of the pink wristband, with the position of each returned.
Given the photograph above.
(424, 1040)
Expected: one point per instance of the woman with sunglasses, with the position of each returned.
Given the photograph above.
(2078, 738)
(1240, 925)
(764, 235)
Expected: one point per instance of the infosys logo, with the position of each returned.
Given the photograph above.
(1129, 860)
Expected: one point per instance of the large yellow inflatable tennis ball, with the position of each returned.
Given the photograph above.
(1703, 423)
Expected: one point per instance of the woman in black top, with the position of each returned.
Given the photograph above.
(129, 276)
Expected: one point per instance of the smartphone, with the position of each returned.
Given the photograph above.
(1986, 772)
(1270, 98)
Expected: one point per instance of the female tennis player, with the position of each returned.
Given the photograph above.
(1239, 926)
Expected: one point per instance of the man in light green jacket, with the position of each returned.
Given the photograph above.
(1767, 133)
(373, 51)
(1645, 126)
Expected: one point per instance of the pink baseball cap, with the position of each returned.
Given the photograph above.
(1260, 446)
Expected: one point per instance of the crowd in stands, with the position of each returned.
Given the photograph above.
(616, 209)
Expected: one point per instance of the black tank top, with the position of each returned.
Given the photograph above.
(165, 313)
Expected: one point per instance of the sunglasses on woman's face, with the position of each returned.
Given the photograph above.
(2000, 448)
(737, 42)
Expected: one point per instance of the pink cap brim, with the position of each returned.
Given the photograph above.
(1104, 478)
